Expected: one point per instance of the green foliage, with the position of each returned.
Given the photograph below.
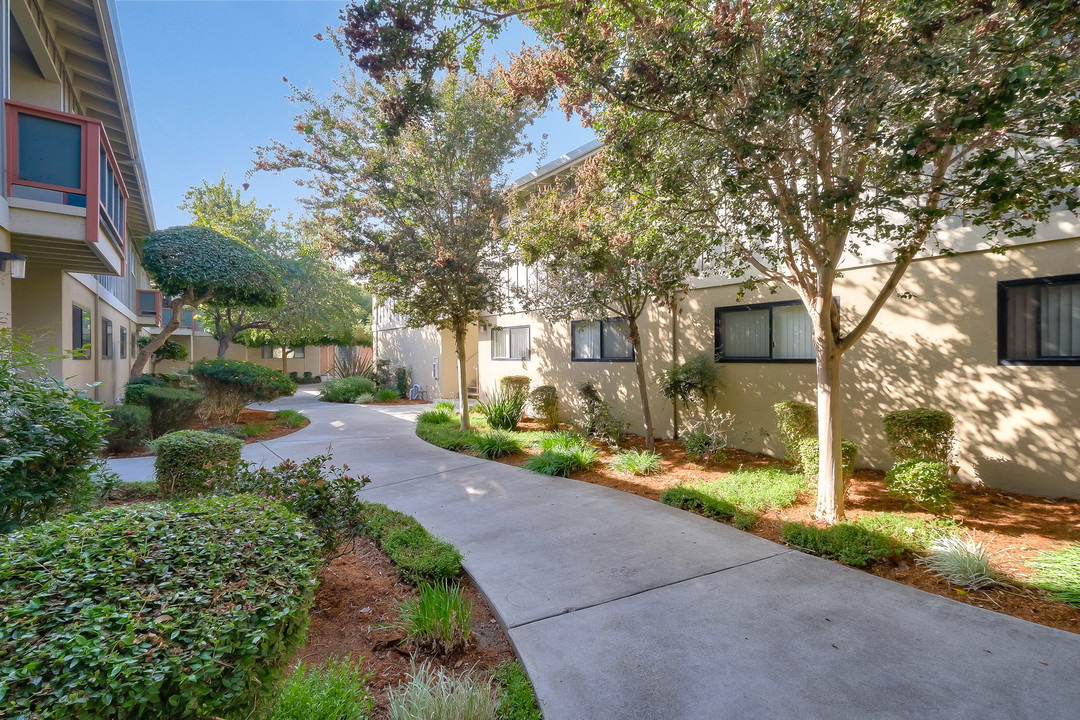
(193, 462)
(179, 611)
(511, 384)
(561, 440)
(850, 544)
(135, 390)
(599, 421)
(170, 350)
(346, 389)
(255, 429)
(128, 428)
(706, 439)
(438, 619)
(637, 462)
(322, 492)
(1058, 572)
(503, 411)
(135, 491)
(700, 501)
(695, 381)
(231, 385)
(961, 561)
(561, 461)
(50, 438)
(517, 700)
(919, 434)
(434, 694)
(416, 553)
(171, 409)
(913, 533)
(446, 436)
(438, 416)
(544, 400)
(388, 395)
(383, 376)
(402, 381)
(337, 690)
(290, 418)
(446, 406)
(795, 421)
(923, 482)
(808, 456)
(749, 491)
(495, 444)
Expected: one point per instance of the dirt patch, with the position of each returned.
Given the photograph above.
(357, 597)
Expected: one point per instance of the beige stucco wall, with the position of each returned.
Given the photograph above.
(36, 303)
(420, 348)
(1018, 427)
(205, 346)
(5, 282)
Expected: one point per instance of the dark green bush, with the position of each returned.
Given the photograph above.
(850, 544)
(167, 611)
(808, 456)
(417, 554)
(698, 501)
(919, 434)
(135, 390)
(402, 380)
(923, 482)
(231, 385)
(192, 462)
(128, 428)
(50, 438)
(503, 410)
(794, 421)
(346, 389)
(511, 384)
(545, 405)
(170, 350)
(171, 409)
(695, 381)
(600, 421)
(388, 395)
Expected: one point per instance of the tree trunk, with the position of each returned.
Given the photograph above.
(643, 386)
(830, 499)
(675, 363)
(158, 340)
(460, 331)
(223, 345)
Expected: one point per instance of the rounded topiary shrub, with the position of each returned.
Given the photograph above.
(191, 462)
(128, 427)
(135, 390)
(514, 384)
(809, 458)
(919, 433)
(795, 421)
(544, 400)
(171, 409)
(347, 389)
(231, 385)
(923, 482)
(166, 611)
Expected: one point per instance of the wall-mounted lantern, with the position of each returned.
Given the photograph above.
(18, 264)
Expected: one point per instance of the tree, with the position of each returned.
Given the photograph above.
(194, 265)
(804, 132)
(419, 214)
(601, 251)
(169, 350)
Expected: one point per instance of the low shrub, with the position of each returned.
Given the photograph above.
(961, 561)
(193, 462)
(512, 384)
(440, 428)
(437, 695)
(517, 699)
(695, 381)
(322, 492)
(503, 411)
(438, 619)
(563, 461)
(128, 428)
(808, 456)
(600, 422)
(850, 544)
(438, 416)
(231, 385)
(363, 399)
(448, 407)
(1058, 572)
(794, 421)
(637, 462)
(171, 409)
(919, 434)
(495, 444)
(923, 482)
(135, 390)
(706, 439)
(346, 389)
(387, 395)
(290, 418)
(701, 502)
(402, 381)
(418, 555)
(544, 401)
(181, 611)
(750, 492)
(334, 691)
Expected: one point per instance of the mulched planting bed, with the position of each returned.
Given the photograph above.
(247, 417)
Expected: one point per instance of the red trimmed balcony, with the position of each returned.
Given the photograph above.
(66, 197)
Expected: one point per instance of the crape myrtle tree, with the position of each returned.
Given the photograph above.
(802, 133)
(419, 213)
(602, 251)
(195, 265)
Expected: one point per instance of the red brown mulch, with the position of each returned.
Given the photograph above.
(247, 417)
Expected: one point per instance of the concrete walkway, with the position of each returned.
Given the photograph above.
(624, 608)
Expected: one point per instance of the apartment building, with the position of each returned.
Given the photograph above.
(75, 199)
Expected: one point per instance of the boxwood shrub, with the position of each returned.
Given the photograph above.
(794, 421)
(808, 456)
(923, 482)
(185, 610)
(192, 462)
(919, 434)
(171, 409)
(135, 390)
(128, 428)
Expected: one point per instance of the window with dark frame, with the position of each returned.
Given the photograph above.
(106, 338)
(1039, 321)
(510, 343)
(123, 342)
(777, 332)
(605, 340)
(267, 352)
(81, 332)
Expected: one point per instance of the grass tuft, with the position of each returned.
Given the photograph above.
(637, 462)
(913, 533)
(961, 561)
(562, 462)
(748, 492)
(850, 544)
(387, 395)
(689, 497)
(334, 691)
(517, 700)
(290, 418)
(254, 429)
(1058, 572)
(434, 694)
(439, 619)
(495, 444)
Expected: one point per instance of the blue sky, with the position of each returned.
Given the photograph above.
(206, 80)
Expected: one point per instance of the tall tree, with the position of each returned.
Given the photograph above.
(420, 214)
(602, 251)
(803, 132)
(195, 265)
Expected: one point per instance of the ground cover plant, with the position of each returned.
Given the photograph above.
(436, 694)
(438, 619)
(346, 389)
(637, 462)
(1058, 572)
(914, 533)
(418, 555)
(750, 492)
(146, 605)
(849, 543)
(516, 698)
(336, 690)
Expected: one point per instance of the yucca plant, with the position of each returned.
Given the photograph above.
(434, 694)
(438, 619)
(637, 462)
(503, 411)
(495, 444)
(963, 561)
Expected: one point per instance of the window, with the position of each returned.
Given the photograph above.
(106, 338)
(768, 332)
(276, 352)
(80, 332)
(123, 342)
(50, 151)
(510, 343)
(1039, 321)
(596, 340)
(268, 352)
(149, 301)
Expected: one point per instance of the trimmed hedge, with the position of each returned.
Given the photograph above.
(165, 611)
(135, 390)
(418, 555)
(171, 409)
(919, 434)
(346, 389)
(192, 462)
(512, 384)
(231, 385)
(128, 427)
(923, 482)
(808, 456)
(794, 421)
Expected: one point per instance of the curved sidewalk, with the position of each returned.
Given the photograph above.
(623, 608)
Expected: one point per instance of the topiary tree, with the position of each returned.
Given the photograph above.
(230, 385)
(170, 350)
(195, 265)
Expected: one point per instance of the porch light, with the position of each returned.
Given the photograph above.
(18, 264)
